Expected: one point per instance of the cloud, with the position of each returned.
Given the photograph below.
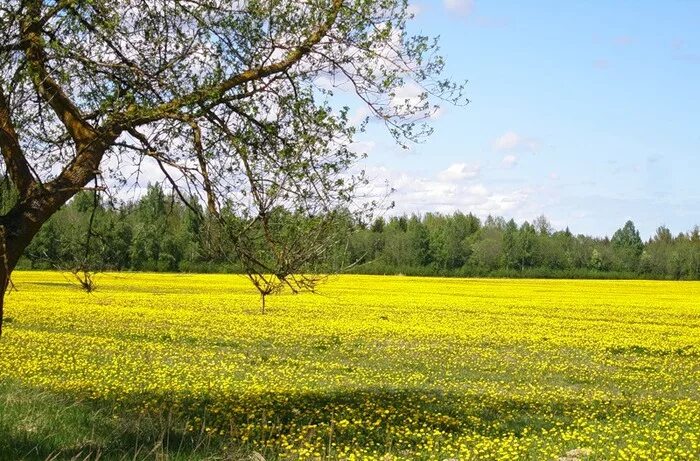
(458, 172)
(411, 93)
(688, 57)
(359, 115)
(509, 161)
(412, 96)
(461, 7)
(478, 190)
(415, 193)
(514, 142)
(507, 141)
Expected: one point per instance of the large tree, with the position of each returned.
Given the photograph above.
(94, 91)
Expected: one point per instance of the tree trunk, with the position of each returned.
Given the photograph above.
(8, 261)
(4, 279)
(17, 229)
(5, 271)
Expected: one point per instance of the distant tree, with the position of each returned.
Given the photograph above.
(378, 225)
(692, 244)
(552, 251)
(511, 247)
(419, 242)
(159, 232)
(657, 258)
(487, 247)
(628, 246)
(450, 247)
(45, 250)
(542, 225)
(596, 260)
(526, 245)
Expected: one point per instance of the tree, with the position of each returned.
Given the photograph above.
(596, 260)
(96, 91)
(511, 248)
(628, 246)
(657, 256)
(542, 225)
(526, 242)
(449, 247)
(488, 247)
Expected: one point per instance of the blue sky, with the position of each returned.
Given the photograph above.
(587, 113)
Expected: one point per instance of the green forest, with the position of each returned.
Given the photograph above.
(159, 233)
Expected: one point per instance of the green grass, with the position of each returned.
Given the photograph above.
(37, 424)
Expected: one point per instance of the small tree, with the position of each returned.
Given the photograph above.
(297, 194)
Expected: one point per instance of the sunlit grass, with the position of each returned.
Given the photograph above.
(184, 366)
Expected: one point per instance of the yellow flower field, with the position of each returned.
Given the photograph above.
(372, 367)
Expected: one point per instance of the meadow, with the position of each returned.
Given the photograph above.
(373, 367)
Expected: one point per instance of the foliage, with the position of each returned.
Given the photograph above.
(628, 245)
(160, 233)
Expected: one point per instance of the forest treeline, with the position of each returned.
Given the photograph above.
(159, 233)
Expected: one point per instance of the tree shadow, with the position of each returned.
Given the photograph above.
(153, 426)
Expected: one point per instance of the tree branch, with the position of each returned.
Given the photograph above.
(67, 112)
(90, 145)
(16, 162)
(199, 152)
(19, 46)
(142, 115)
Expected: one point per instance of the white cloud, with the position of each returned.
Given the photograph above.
(362, 147)
(507, 141)
(458, 172)
(478, 190)
(411, 97)
(415, 193)
(461, 7)
(411, 93)
(514, 142)
(359, 115)
(509, 161)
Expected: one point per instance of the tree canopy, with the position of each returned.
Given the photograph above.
(234, 102)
